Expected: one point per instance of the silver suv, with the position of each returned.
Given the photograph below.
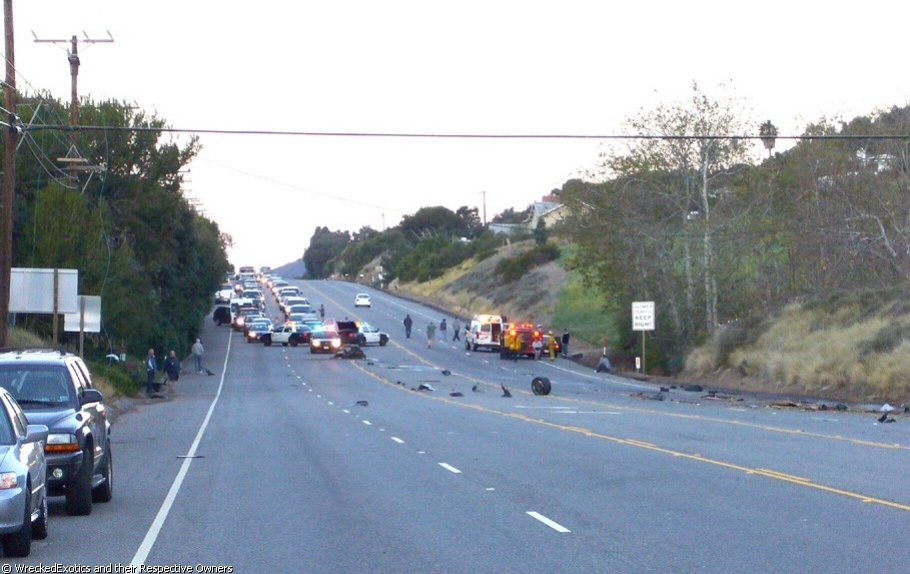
(54, 388)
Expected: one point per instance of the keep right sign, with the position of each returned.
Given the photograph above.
(643, 316)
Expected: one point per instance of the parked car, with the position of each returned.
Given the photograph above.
(222, 315)
(54, 388)
(325, 341)
(362, 300)
(370, 335)
(288, 334)
(256, 329)
(23, 479)
(347, 331)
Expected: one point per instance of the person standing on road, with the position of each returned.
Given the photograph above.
(172, 368)
(442, 329)
(516, 346)
(150, 367)
(322, 311)
(551, 346)
(407, 326)
(565, 343)
(197, 355)
(456, 327)
(431, 332)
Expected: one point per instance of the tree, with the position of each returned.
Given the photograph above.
(768, 134)
(325, 246)
(652, 226)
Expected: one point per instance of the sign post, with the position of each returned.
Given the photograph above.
(642, 320)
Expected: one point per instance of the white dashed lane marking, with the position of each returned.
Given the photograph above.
(368, 423)
(554, 525)
(449, 468)
(398, 440)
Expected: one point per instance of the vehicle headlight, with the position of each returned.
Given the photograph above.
(8, 480)
(61, 442)
(336, 343)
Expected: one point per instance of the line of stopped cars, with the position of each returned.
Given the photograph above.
(54, 441)
(302, 324)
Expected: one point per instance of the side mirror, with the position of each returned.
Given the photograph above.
(36, 433)
(91, 396)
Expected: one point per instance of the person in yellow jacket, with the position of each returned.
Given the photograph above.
(515, 347)
(551, 346)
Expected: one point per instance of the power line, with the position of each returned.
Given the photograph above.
(424, 135)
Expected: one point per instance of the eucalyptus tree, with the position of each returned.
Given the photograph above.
(659, 204)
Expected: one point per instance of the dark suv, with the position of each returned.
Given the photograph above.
(54, 388)
(348, 331)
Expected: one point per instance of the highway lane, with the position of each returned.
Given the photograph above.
(294, 473)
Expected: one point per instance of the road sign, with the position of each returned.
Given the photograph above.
(643, 316)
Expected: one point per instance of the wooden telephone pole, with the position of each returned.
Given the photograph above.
(9, 174)
(72, 157)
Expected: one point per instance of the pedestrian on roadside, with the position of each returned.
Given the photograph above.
(604, 365)
(150, 367)
(565, 343)
(172, 368)
(407, 326)
(442, 329)
(431, 332)
(197, 355)
(456, 327)
(537, 345)
(551, 346)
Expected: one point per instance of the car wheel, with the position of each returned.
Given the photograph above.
(295, 341)
(39, 527)
(312, 351)
(474, 348)
(19, 544)
(541, 386)
(249, 340)
(104, 492)
(383, 341)
(79, 491)
(267, 341)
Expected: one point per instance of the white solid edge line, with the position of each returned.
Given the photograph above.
(449, 467)
(146, 546)
(554, 525)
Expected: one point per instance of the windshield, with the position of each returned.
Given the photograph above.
(36, 385)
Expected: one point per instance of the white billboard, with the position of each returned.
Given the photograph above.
(32, 290)
(91, 320)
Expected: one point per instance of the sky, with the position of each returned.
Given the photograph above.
(467, 67)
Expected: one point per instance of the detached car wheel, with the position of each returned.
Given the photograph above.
(104, 492)
(79, 491)
(541, 386)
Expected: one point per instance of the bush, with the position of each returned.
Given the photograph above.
(514, 268)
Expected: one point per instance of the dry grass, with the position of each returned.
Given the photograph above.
(843, 352)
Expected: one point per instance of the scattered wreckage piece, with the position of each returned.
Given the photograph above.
(541, 386)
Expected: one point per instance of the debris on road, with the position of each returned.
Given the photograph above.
(456, 394)
(693, 388)
(476, 389)
(505, 391)
(363, 404)
(446, 372)
(425, 387)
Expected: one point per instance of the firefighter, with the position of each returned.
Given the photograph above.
(516, 345)
(551, 346)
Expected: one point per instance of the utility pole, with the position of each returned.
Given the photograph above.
(484, 194)
(9, 174)
(73, 157)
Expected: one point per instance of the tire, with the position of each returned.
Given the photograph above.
(79, 491)
(474, 347)
(19, 544)
(295, 341)
(267, 341)
(249, 340)
(503, 355)
(104, 492)
(39, 527)
(541, 386)
(383, 341)
(312, 351)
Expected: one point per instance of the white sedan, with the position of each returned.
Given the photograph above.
(362, 300)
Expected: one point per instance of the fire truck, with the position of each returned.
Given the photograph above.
(526, 333)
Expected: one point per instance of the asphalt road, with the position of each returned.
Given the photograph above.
(275, 464)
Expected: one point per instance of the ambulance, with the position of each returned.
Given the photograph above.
(484, 333)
